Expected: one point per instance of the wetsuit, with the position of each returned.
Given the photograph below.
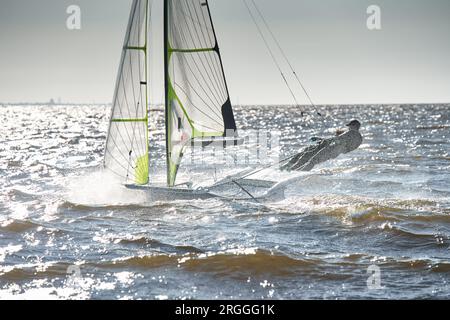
(325, 150)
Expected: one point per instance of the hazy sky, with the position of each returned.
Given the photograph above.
(338, 58)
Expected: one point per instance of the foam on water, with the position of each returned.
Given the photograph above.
(101, 188)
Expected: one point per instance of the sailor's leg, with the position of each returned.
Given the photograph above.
(304, 159)
(295, 159)
(292, 161)
(309, 155)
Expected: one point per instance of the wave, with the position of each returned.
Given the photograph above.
(21, 195)
(359, 260)
(119, 206)
(363, 209)
(20, 272)
(433, 142)
(418, 264)
(426, 238)
(144, 241)
(236, 264)
(186, 206)
(255, 263)
(443, 126)
(146, 261)
(18, 226)
(233, 263)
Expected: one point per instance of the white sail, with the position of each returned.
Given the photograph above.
(197, 99)
(127, 143)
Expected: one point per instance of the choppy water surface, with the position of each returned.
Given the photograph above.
(387, 204)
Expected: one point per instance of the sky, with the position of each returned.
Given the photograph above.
(339, 60)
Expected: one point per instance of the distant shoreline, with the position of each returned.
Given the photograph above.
(47, 104)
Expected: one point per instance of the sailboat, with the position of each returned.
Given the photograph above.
(197, 101)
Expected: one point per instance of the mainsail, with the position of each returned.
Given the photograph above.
(197, 99)
(127, 143)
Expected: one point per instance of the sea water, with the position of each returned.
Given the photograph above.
(374, 223)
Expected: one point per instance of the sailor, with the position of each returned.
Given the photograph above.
(327, 149)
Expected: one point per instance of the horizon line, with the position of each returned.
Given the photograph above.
(48, 103)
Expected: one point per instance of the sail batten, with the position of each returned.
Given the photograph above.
(197, 98)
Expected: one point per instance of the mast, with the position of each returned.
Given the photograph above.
(166, 85)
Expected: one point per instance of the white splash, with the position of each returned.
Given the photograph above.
(102, 188)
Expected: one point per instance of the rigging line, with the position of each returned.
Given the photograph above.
(182, 36)
(267, 167)
(245, 190)
(212, 89)
(253, 172)
(272, 54)
(210, 56)
(286, 58)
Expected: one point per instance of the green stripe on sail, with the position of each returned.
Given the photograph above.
(141, 171)
(136, 48)
(130, 120)
(192, 50)
(199, 134)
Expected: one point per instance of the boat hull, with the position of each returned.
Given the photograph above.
(246, 190)
(158, 193)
